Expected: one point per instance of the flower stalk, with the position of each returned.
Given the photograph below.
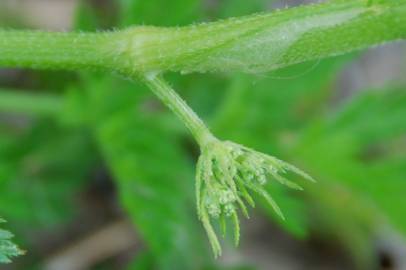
(226, 172)
(178, 106)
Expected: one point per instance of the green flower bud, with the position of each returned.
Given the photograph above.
(226, 172)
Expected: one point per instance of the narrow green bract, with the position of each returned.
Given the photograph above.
(226, 172)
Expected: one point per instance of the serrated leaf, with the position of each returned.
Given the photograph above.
(360, 147)
(8, 249)
(43, 176)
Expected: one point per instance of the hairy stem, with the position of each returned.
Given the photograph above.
(47, 50)
(177, 105)
(254, 43)
(268, 41)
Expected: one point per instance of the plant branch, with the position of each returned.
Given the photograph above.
(265, 42)
(178, 106)
(48, 50)
(255, 43)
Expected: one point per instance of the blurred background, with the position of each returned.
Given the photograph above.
(96, 174)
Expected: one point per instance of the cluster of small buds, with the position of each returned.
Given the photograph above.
(226, 172)
(221, 201)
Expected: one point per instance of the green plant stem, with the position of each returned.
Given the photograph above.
(48, 50)
(254, 43)
(16, 101)
(264, 42)
(178, 106)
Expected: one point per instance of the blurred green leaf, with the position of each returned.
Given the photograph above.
(361, 147)
(38, 180)
(159, 12)
(154, 179)
(233, 8)
(86, 18)
(142, 261)
(96, 15)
